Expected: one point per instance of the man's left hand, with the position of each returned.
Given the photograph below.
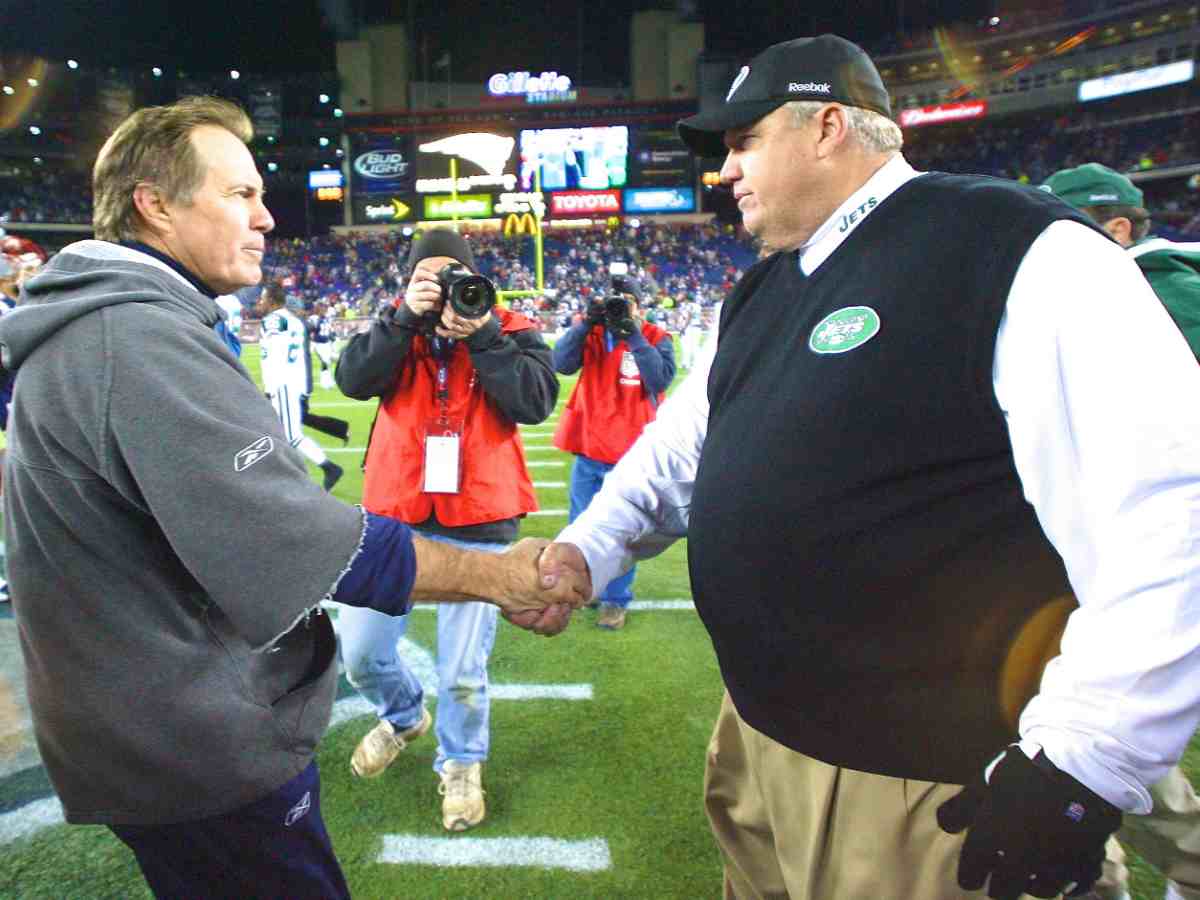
(454, 326)
(1032, 829)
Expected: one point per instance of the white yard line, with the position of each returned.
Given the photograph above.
(550, 484)
(591, 855)
(548, 512)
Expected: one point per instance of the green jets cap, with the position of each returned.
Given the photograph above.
(1094, 185)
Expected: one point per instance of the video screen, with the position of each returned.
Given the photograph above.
(590, 159)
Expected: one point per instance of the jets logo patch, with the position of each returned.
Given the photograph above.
(248, 456)
(845, 329)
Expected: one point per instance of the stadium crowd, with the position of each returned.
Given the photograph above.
(353, 274)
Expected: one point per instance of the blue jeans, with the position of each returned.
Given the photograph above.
(587, 475)
(465, 635)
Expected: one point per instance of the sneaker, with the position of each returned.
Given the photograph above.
(611, 616)
(383, 744)
(333, 473)
(462, 795)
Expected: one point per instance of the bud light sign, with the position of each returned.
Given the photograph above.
(380, 170)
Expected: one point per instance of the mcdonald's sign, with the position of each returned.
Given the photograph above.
(517, 223)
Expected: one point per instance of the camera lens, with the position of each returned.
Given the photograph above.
(472, 296)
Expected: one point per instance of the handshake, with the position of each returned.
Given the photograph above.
(542, 584)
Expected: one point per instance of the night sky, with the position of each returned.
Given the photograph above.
(576, 38)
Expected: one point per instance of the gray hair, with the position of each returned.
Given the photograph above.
(874, 132)
(155, 145)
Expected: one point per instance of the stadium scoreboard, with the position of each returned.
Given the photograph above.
(557, 163)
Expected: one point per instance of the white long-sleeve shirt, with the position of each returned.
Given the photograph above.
(1101, 395)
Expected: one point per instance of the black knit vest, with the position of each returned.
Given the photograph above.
(878, 591)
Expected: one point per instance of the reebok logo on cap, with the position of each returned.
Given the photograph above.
(808, 87)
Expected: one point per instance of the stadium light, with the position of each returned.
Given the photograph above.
(235, 74)
(994, 21)
(8, 89)
(324, 98)
(72, 64)
(157, 72)
(33, 129)
(270, 138)
(272, 167)
(32, 82)
(37, 160)
(341, 152)
(324, 142)
(337, 112)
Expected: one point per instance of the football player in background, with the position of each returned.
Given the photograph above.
(287, 376)
(320, 327)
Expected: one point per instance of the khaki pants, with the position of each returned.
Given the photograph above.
(1168, 838)
(789, 826)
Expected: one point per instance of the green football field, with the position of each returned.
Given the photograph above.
(593, 783)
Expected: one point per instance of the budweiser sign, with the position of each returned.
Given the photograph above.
(585, 203)
(946, 112)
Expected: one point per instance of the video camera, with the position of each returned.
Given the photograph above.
(618, 312)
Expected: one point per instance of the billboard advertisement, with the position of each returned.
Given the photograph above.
(575, 158)
(464, 206)
(660, 200)
(384, 167)
(658, 157)
(945, 112)
(567, 204)
(1141, 80)
(384, 210)
(485, 161)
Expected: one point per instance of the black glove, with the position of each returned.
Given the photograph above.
(595, 313)
(623, 328)
(1033, 828)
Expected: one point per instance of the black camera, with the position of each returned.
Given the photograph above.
(618, 311)
(469, 295)
(618, 316)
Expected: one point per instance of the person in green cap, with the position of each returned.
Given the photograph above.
(1117, 205)
(1168, 836)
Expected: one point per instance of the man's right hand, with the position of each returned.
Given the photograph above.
(557, 563)
(424, 293)
(595, 312)
(534, 601)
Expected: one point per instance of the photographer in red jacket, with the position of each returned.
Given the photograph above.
(627, 365)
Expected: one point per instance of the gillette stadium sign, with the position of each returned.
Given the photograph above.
(381, 164)
(549, 87)
(944, 112)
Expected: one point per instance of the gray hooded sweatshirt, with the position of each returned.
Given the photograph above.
(168, 551)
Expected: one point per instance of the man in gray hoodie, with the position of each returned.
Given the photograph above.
(175, 698)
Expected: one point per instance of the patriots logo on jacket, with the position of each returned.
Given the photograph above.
(248, 456)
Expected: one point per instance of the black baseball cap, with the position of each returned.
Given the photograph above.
(826, 68)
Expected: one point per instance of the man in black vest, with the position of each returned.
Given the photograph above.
(934, 418)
